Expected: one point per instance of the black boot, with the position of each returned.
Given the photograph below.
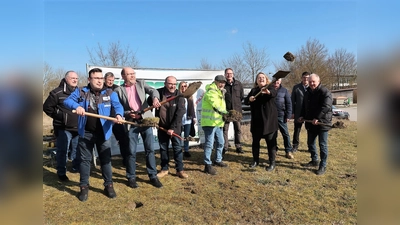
(321, 170)
(271, 166)
(254, 164)
(208, 169)
(239, 150)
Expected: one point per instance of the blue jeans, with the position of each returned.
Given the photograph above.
(66, 140)
(209, 133)
(86, 145)
(323, 145)
(130, 152)
(285, 134)
(186, 131)
(163, 140)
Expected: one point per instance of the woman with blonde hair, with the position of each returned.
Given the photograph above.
(264, 119)
(188, 119)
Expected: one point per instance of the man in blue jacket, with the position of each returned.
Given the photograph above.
(284, 107)
(95, 98)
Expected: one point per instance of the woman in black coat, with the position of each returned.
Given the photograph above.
(264, 119)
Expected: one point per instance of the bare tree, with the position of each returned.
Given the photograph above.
(236, 62)
(343, 67)
(115, 55)
(205, 65)
(51, 78)
(47, 74)
(256, 60)
(313, 57)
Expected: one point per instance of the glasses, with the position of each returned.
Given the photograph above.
(172, 84)
(73, 78)
(97, 78)
(184, 86)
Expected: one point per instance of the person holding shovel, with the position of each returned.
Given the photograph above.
(95, 98)
(264, 119)
(317, 108)
(132, 95)
(212, 122)
(170, 115)
(188, 119)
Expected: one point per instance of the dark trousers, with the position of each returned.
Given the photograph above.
(270, 139)
(86, 145)
(238, 134)
(296, 134)
(163, 140)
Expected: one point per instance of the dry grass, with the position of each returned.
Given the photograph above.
(236, 195)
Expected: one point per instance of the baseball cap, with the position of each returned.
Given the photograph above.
(220, 78)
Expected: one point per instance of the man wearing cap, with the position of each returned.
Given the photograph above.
(213, 107)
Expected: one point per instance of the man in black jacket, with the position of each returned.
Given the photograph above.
(65, 124)
(170, 115)
(233, 99)
(297, 97)
(317, 109)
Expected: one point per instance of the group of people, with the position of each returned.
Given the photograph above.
(272, 107)
(270, 103)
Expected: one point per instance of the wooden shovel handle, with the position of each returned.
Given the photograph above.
(162, 103)
(166, 131)
(105, 117)
(124, 121)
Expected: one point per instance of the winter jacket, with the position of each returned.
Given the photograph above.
(283, 103)
(264, 115)
(174, 109)
(317, 104)
(297, 97)
(106, 101)
(234, 95)
(213, 106)
(63, 118)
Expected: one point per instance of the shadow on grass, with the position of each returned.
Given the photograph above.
(70, 187)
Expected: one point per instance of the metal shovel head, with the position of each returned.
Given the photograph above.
(280, 74)
(192, 88)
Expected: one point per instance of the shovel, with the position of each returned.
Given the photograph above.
(278, 75)
(319, 123)
(192, 88)
(147, 123)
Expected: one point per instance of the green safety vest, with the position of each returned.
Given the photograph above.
(213, 99)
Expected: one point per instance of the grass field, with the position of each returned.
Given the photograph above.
(291, 194)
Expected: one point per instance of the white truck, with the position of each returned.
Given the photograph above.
(155, 77)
